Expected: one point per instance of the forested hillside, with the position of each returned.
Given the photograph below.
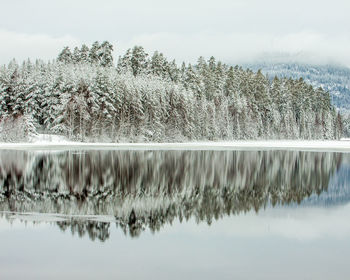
(332, 78)
(85, 96)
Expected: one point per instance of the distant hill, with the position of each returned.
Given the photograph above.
(335, 79)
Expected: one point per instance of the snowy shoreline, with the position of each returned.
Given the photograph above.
(302, 145)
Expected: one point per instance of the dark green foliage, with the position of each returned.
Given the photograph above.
(65, 56)
(98, 54)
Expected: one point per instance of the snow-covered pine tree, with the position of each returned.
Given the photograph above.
(94, 53)
(105, 54)
(193, 81)
(124, 63)
(173, 71)
(76, 55)
(84, 54)
(65, 56)
(105, 110)
(159, 66)
(139, 61)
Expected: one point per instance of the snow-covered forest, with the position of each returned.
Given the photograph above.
(332, 78)
(147, 189)
(83, 95)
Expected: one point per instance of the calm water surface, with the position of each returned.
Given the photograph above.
(174, 215)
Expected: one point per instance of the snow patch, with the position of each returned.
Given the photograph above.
(49, 139)
(57, 142)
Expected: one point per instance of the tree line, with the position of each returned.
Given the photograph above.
(86, 97)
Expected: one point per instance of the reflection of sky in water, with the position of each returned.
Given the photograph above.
(287, 243)
(307, 241)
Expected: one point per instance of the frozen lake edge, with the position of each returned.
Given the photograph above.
(299, 145)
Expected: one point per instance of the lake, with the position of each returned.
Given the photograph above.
(157, 214)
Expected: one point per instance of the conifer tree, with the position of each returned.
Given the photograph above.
(65, 56)
(84, 54)
(159, 66)
(76, 55)
(94, 57)
(139, 60)
(105, 54)
(124, 63)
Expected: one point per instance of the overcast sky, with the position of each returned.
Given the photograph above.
(235, 31)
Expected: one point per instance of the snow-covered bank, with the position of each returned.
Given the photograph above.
(53, 142)
(49, 139)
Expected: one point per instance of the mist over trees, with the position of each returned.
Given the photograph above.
(85, 97)
(332, 78)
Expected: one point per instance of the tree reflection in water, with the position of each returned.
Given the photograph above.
(147, 189)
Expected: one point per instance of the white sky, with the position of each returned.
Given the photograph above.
(235, 31)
